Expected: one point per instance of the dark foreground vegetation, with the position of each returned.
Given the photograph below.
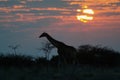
(93, 63)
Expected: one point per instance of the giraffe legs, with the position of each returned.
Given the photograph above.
(62, 62)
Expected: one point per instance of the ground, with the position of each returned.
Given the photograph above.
(66, 73)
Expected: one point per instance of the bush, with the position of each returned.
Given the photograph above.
(96, 55)
(15, 60)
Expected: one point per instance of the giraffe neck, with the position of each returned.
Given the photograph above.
(54, 42)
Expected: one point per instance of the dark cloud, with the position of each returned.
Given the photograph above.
(48, 3)
(117, 4)
(109, 14)
(47, 22)
(110, 5)
(9, 3)
(17, 26)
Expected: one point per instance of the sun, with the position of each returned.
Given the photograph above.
(88, 11)
(84, 18)
(85, 14)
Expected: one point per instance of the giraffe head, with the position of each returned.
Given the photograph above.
(43, 35)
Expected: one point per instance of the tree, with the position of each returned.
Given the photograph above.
(14, 48)
(97, 55)
(46, 48)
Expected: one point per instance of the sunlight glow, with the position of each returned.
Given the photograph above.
(85, 6)
(85, 14)
(79, 10)
(84, 18)
(88, 11)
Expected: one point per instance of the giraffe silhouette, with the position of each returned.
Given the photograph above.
(66, 53)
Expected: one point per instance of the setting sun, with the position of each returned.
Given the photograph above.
(79, 10)
(85, 15)
(88, 11)
(84, 18)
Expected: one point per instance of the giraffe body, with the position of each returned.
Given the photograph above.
(67, 53)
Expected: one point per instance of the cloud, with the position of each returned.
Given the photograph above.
(109, 14)
(34, 11)
(9, 3)
(116, 4)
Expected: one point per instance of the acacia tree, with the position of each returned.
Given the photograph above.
(14, 48)
(46, 48)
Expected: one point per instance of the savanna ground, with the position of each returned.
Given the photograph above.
(94, 63)
(68, 73)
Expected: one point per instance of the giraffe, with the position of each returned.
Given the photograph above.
(67, 53)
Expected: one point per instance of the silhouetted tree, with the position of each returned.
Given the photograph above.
(97, 55)
(46, 48)
(14, 48)
(16, 60)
